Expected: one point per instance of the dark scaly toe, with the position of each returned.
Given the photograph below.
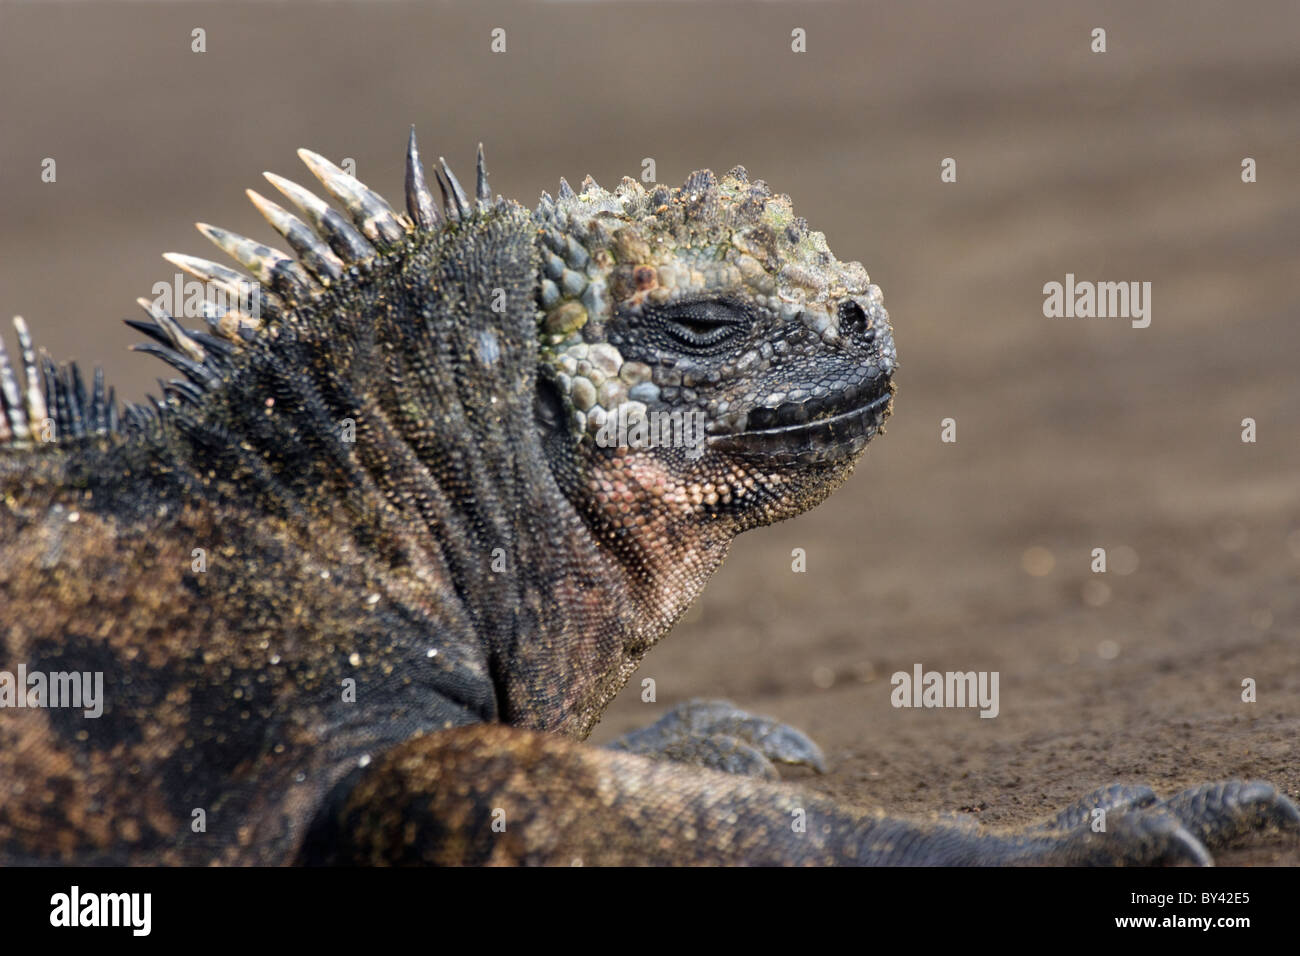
(1139, 830)
(1115, 798)
(708, 733)
(1141, 838)
(721, 752)
(778, 742)
(1147, 837)
(1220, 812)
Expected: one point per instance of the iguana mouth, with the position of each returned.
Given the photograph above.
(835, 436)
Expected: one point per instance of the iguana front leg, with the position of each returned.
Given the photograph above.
(491, 794)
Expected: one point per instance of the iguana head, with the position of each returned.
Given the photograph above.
(708, 354)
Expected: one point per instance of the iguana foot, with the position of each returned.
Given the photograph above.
(1217, 813)
(1123, 824)
(718, 735)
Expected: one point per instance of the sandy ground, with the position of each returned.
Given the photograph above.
(1071, 434)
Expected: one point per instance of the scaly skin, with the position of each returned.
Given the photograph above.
(363, 579)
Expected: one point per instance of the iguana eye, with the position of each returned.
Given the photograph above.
(701, 325)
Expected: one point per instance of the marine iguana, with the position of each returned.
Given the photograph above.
(362, 579)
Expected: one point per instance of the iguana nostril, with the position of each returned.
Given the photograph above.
(762, 417)
(853, 320)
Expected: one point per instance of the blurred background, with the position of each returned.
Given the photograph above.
(1072, 434)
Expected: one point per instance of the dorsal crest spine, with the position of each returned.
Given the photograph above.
(41, 402)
